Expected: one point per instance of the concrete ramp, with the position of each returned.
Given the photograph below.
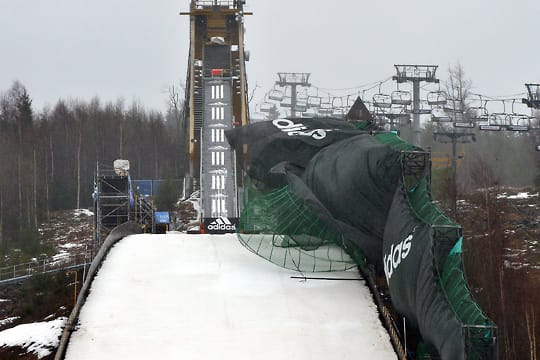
(207, 297)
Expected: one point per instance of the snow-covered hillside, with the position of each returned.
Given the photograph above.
(203, 297)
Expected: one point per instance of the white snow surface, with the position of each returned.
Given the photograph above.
(519, 195)
(40, 338)
(205, 296)
(8, 320)
(85, 212)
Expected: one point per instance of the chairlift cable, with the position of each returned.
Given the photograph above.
(376, 83)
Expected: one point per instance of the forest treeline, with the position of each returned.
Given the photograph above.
(48, 158)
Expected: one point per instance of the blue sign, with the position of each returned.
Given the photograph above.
(162, 217)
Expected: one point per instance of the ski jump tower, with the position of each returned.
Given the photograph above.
(216, 100)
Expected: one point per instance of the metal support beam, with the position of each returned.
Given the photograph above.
(454, 137)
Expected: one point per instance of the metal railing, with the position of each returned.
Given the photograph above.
(56, 263)
(200, 4)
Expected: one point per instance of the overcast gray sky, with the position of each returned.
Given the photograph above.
(135, 49)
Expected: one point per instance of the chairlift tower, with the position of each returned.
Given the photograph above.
(454, 137)
(293, 80)
(416, 74)
(533, 100)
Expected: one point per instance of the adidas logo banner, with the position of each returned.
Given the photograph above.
(221, 225)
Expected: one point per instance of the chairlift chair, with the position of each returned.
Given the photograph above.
(325, 112)
(310, 113)
(275, 94)
(314, 102)
(461, 120)
(381, 100)
(380, 120)
(338, 112)
(337, 102)
(400, 119)
(266, 106)
(480, 116)
(326, 106)
(519, 122)
(400, 97)
(501, 119)
(379, 112)
(496, 122)
(438, 114)
(350, 101)
(300, 107)
(301, 98)
(452, 106)
(478, 112)
(286, 102)
(437, 98)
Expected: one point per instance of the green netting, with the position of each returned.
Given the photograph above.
(420, 200)
(480, 330)
(394, 141)
(281, 228)
(362, 125)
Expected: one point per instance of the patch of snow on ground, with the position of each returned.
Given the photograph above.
(86, 212)
(8, 320)
(70, 245)
(62, 255)
(39, 338)
(518, 196)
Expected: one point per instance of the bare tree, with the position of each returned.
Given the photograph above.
(175, 113)
(530, 320)
(458, 88)
(252, 95)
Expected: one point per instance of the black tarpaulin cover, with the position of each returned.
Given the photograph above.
(354, 181)
(409, 267)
